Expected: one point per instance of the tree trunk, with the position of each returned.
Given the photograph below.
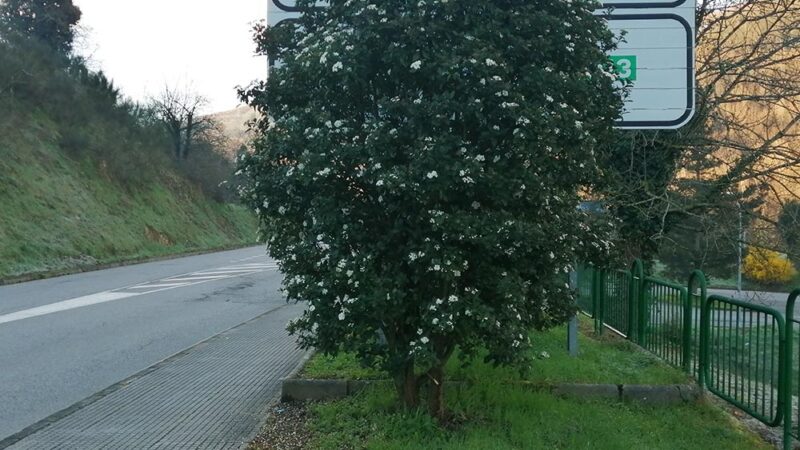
(408, 387)
(436, 392)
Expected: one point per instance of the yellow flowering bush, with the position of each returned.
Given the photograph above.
(767, 266)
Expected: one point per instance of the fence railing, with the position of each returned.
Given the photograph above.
(791, 427)
(745, 353)
(745, 347)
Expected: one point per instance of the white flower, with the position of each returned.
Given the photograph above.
(281, 210)
(476, 205)
(341, 315)
(435, 321)
(416, 65)
(424, 340)
(490, 62)
(432, 175)
(337, 67)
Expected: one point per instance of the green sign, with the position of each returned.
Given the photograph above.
(626, 66)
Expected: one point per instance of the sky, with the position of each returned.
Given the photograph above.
(202, 45)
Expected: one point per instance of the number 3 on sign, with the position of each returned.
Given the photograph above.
(626, 66)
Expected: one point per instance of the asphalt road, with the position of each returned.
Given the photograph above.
(775, 300)
(64, 339)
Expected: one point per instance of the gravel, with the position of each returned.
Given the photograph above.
(286, 429)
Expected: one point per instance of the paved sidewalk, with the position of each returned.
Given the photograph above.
(213, 396)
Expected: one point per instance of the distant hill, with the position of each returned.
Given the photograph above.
(234, 126)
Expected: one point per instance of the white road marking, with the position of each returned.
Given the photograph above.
(164, 284)
(227, 272)
(202, 277)
(79, 302)
(157, 285)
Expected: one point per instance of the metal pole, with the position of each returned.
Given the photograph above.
(789, 360)
(572, 327)
(572, 337)
(741, 245)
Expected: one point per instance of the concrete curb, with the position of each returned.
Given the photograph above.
(33, 276)
(295, 389)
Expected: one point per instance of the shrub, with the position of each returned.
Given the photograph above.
(767, 266)
(418, 175)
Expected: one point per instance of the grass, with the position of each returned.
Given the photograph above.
(602, 360)
(493, 414)
(60, 213)
(498, 417)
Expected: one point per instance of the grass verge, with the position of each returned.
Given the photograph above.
(605, 359)
(493, 414)
(496, 416)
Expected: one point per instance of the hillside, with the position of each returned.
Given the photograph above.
(234, 126)
(86, 176)
(59, 213)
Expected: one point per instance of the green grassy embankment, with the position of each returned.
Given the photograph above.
(62, 213)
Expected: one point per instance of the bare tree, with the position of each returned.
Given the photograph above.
(179, 111)
(741, 154)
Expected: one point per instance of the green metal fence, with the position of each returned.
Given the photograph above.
(746, 354)
(616, 292)
(792, 378)
(745, 348)
(586, 289)
(662, 324)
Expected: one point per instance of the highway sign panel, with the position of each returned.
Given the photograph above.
(657, 58)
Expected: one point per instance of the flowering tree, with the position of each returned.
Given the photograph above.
(418, 174)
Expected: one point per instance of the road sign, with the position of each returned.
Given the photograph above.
(644, 4)
(285, 10)
(657, 57)
(281, 10)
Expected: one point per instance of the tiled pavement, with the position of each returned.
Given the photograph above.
(212, 396)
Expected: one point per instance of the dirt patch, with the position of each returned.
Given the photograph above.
(286, 428)
(156, 236)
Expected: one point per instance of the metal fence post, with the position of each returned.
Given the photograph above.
(595, 294)
(788, 402)
(601, 307)
(687, 334)
(637, 277)
(696, 280)
(643, 312)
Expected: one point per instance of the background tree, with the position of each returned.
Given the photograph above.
(417, 174)
(51, 22)
(742, 148)
(789, 224)
(180, 113)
